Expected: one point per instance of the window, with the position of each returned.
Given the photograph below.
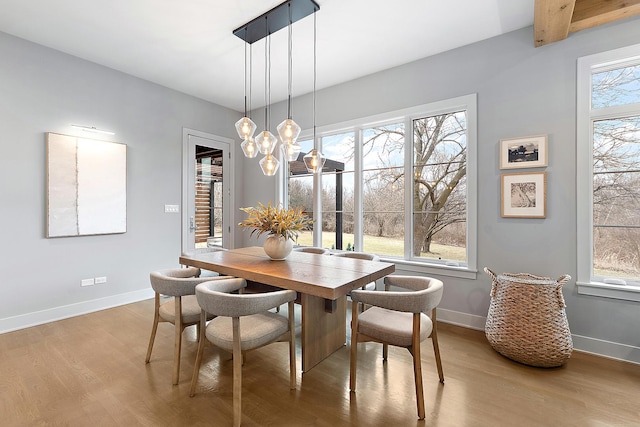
(338, 191)
(609, 174)
(383, 189)
(398, 185)
(300, 189)
(439, 192)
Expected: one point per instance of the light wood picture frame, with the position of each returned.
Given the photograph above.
(524, 195)
(86, 186)
(524, 152)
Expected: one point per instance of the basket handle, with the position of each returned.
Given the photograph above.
(561, 281)
(493, 281)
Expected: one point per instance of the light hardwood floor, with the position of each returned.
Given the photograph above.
(90, 371)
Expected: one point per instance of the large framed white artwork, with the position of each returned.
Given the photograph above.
(86, 186)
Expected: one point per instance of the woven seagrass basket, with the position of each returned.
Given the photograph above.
(527, 320)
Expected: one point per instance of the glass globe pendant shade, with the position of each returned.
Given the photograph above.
(269, 165)
(291, 151)
(288, 131)
(314, 161)
(249, 148)
(246, 127)
(266, 142)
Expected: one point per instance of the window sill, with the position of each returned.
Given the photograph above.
(627, 293)
(433, 269)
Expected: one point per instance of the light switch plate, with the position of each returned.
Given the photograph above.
(171, 208)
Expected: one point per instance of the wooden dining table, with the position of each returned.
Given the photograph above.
(322, 283)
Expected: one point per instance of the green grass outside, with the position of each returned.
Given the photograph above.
(395, 247)
(385, 246)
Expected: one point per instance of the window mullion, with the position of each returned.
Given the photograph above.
(358, 215)
(408, 187)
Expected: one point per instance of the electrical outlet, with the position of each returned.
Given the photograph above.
(171, 208)
(102, 279)
(87, 282)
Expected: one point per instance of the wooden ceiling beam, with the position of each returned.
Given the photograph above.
(554, 20)
(551, 20)
(591, 13)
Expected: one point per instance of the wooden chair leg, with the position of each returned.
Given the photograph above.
(201, 344)
(292, 347)
(154, 329)
(237, 374)
(178, 340)
(417, 365)
(436, 349)
(354, 346)
(385, 347)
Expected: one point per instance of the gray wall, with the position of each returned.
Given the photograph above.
(522, 91)
(43, 91)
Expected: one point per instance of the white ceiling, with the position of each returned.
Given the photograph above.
(188, 45)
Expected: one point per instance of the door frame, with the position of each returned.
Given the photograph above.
(228, 176)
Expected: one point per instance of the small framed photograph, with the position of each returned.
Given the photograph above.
(526, 152)
(524, 195)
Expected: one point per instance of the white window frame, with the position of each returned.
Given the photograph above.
(468, 103)
(584, 181)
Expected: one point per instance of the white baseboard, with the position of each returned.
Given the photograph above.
(612, 350)
(457, 318)
(27, 320)
(595, 346)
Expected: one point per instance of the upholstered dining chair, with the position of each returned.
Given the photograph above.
(361, 255)
(398, 318)
(206, 273)
(242, 323)
(179, 283)
(312, 250)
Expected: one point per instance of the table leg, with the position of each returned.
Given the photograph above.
(322, 332)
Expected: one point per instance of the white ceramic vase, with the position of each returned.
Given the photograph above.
(277, 247)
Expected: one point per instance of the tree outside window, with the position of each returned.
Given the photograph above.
(401, 190)
(615, 96)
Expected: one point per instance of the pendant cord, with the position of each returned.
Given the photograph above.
(269, 74)
(290, 64)
(245, 73)
(250, 76)
(314, 79)
(266, 126)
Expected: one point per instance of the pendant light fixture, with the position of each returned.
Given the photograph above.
(314, 160)
(266, 141)
(249, 147)
(257, 29)
(288, 129)
(245, 126)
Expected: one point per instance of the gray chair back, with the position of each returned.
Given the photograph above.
(312, 250)
(215, 298)
(176, 282)
(359, 255)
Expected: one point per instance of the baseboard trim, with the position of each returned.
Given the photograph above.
(9, 324)
(458, 318)
(608, 349)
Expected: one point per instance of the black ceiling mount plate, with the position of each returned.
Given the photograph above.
(275, 19)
